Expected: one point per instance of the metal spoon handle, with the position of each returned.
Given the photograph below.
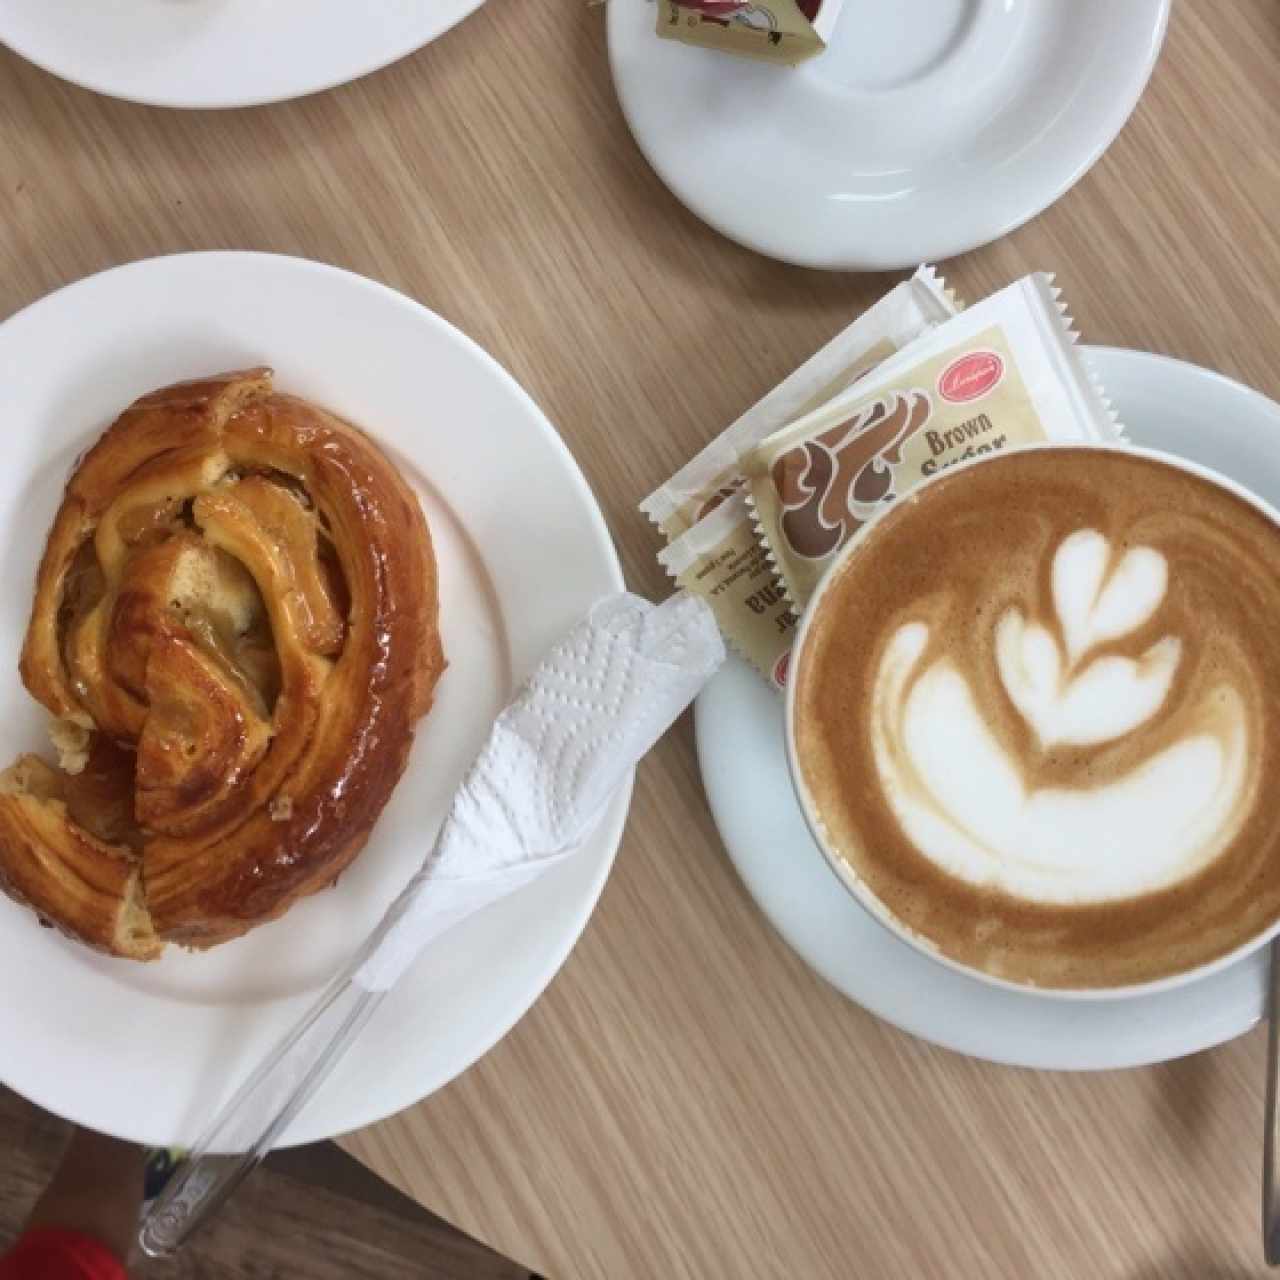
(1271, 1135)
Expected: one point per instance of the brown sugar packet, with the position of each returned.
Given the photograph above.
(722, 560)
(907, 311)
(1004, 373)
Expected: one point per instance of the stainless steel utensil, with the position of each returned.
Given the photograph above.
(1271, 1133)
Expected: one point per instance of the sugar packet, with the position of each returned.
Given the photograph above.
(907, 311)
(1006, 372)
(721, 560)
(785, 31)
(713, 550)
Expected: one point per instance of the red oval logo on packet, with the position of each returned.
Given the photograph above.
(970, 377)
(780, 670)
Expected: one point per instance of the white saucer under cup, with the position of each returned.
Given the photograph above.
(927, 128)
(1164, 404)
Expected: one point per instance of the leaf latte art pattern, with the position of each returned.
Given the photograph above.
(969, 802)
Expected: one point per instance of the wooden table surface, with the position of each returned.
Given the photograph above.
(688, 1099)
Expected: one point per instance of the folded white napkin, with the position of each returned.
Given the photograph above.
(599, 700)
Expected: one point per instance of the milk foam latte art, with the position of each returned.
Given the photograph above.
(1035, 714)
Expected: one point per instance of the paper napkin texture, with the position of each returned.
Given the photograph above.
(599, 700)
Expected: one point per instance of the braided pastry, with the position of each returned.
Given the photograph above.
(235, 628)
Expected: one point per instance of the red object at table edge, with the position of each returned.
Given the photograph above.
(52, 1253)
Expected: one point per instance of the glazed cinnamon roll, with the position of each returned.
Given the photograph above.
(235, 627)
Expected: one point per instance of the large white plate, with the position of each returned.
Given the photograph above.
(220, 53)
(145, 1051)
(1165, 404)
(928, 127)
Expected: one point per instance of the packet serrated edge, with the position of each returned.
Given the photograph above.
(761, 635)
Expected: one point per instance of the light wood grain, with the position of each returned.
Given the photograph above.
(313, 1214)
(688, 1100)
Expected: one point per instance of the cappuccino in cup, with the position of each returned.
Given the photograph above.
(1035, 717)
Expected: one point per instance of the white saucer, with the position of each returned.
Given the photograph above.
(220, 53)
(928, 127)
(1165, 404)
(146, 1052)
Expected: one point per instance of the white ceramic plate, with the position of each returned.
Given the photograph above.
(145, 1051)
(1164, 404)
(927, 128)
(220, 53)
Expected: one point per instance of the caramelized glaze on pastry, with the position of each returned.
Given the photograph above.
(235, 628)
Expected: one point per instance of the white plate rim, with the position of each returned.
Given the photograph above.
(314, 1123)
(261, 97)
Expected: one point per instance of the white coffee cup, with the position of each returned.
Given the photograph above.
(847, 874)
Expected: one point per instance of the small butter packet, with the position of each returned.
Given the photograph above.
(721, 559)
(783, 31)
(907, 311)
(1006, 372)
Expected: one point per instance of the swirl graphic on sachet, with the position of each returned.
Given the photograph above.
(718, 498)
(235, 627)
(832, 484)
